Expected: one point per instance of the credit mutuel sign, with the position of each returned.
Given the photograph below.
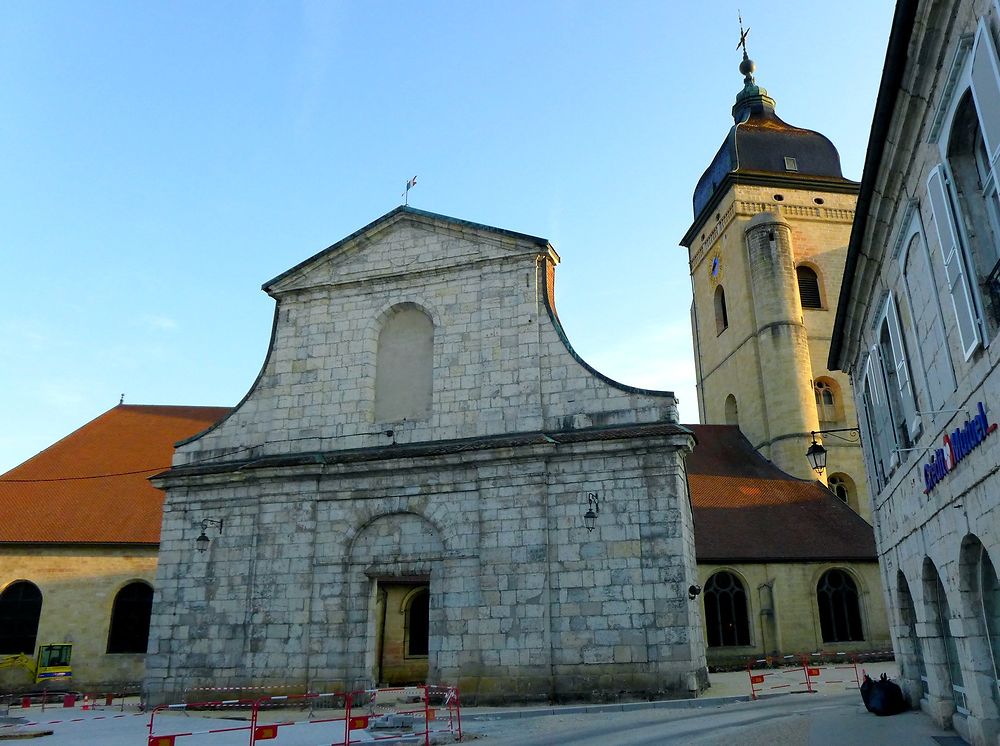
(957, 444)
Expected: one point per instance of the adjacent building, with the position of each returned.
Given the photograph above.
(79, 532)
(917, 332)
(786, 567)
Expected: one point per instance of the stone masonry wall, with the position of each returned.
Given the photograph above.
(483, 499)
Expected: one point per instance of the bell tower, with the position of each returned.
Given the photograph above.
(766, 252)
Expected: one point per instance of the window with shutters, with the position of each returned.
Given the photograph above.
(809, 292)
(876, 422)
(962, 192)
(891, 348)
(932, 360)
(976, 199)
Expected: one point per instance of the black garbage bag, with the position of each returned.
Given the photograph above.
(883, 697)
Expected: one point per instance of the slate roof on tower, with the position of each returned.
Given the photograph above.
(92, 486)
(761, 148)
(747, 509)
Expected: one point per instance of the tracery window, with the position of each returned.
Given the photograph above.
(727, 621)
(130, 614)
(20, 610)
(838, 485)
(839, 608)
(827, 400)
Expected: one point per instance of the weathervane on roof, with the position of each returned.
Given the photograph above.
(121, 399)
(747, 66)
(406, 192)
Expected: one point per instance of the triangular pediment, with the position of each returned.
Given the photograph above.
(405, 241)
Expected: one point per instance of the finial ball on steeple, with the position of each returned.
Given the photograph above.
(747, 66)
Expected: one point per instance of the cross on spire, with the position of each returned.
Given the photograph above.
(746, 66)
(743, 35)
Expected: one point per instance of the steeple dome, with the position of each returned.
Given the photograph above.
(760, 145)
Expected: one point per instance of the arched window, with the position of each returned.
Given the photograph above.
(130, 614)
(726, 619)
(839, 487)
(417, 623)
(404, 366)
(721, 315)
(839, 610)
(20, 610)
(828, 404)
(809, 293)
(732, 411)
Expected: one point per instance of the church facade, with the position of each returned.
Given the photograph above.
(425, 482)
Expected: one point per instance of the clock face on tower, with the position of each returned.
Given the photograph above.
(715, 269)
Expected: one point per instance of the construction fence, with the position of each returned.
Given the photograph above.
(414, 714)
(808, 672)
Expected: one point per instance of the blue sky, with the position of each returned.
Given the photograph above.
(160, 161)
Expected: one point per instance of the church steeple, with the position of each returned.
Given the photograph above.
(773, 209)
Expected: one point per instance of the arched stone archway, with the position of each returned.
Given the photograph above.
(391, 556)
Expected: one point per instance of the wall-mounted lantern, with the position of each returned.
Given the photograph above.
(816, 454)
(693, 591)
(202, 542)
(593, 509)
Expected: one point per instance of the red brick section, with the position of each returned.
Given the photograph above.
(91, 486)
(747, 509)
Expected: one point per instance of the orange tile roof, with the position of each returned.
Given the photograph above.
(746, 508)
(92, 486)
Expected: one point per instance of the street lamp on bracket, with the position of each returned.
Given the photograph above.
(816, 455)
(202, 542)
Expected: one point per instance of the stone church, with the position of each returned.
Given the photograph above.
(787, 565)
(425, 482)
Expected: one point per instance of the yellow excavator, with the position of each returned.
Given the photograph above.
(52, 662)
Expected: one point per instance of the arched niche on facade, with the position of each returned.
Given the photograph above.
(404, 365)
(980, 608)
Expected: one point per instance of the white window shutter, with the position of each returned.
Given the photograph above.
(951, 255)
(866, 419)
(986, 88)
(901, 367)
(886, 426)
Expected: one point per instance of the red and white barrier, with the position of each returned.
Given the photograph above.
(792, 678)
(839, 670)
(433, 709)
